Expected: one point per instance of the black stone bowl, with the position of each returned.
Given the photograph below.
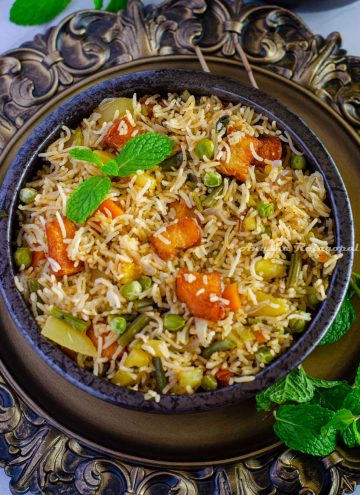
(163, 81)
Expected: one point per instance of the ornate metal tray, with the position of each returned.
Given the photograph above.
(43, 451)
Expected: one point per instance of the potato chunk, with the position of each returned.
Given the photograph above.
(181, 234)
(241, 158)
(201, 292)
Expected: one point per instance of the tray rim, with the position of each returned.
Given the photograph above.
(237, 11)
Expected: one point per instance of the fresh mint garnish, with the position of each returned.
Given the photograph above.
(116, 5)
(32, 12)
(85, 200)
(300, 427)
(332, 398)
(351, 436)
(98, 4)
(341, 324)
(86, 155)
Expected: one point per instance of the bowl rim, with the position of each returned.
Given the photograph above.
(81, 105)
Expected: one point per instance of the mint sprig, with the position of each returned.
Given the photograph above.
(85, 200)
(139, 153)
(32, 12)
(341, 324)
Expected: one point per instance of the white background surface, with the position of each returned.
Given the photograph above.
(345, 19)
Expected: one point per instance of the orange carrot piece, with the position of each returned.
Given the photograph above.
(231, 293)
(36, 257)
(223, 377)
(270, 149)
(109, 351)
(120, 133)
(182, 210)
(260, 337)
(58, 249)
(109, 206)
(323, 257)
(198, 294)
(241, 158)
(181, 234)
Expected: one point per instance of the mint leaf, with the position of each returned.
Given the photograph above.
(85, 155)
(340, 421)
(142, 152)
(110, 168)
(296, 387)
(30, 13)
(299, 427)
(341, 324)
(98, 4)
(357, 377)
(320, 383)
(352, 400)
(351, 435)
(115, 5)
(332, 398)
(87, 198)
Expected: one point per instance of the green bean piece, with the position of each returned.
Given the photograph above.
(27, 195)
(213, 196)
(222, 124)
(145, 282)
(205, 147)
(74, 322)
(297, 162)
(172, 163)
(312, 300)
(220, 345)
(264, 354)
(265, 209)
(135, 327)
(185, 95)
(253, 321)
(197, 201)
(117, 323)
(209, 383)
(212, 179)
(22, 257)
(294, 270)
(173, 323)
(297, 325)
(34, 285)
(143, 303)
(3, 214)
(160, 377)
(131, 290)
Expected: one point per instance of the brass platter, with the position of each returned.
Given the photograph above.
(46, 449)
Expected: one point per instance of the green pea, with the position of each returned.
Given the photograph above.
(22, 257)
(27, 195)
(205, 147)
(117, 324)
(131, 290)
(265, 209)
(173, 323)
(312, 300)
(264, 354)
(145, 282)
(209, 383)
(297, 325)
(297, 162)
(212, 179)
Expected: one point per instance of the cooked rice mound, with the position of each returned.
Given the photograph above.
(230, 241)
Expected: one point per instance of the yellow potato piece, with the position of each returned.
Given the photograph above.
(267, 269)
(249, 223)
(63, 334)
(142, 179)
(108, 110)
(131, 271)
(123, 378)
(275, 306)
(155, 345)
(138, 358)
(190, 378)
